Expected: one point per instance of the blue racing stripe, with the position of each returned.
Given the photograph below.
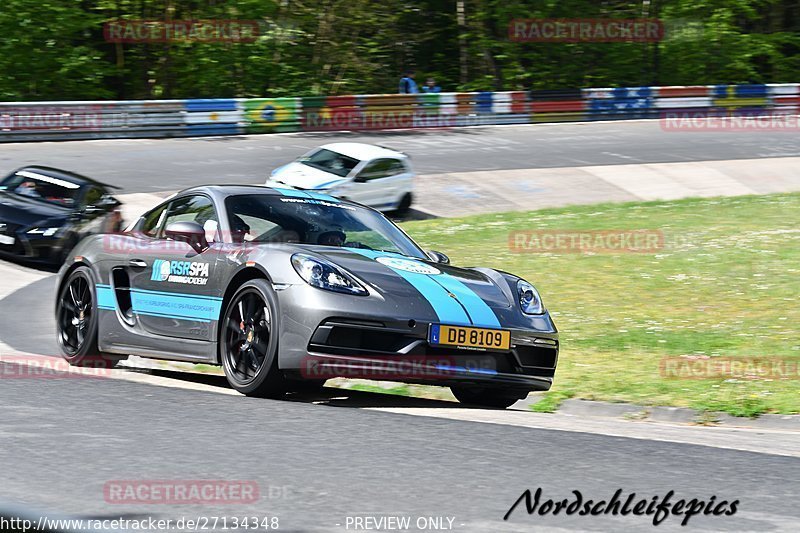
(320, 196)
(447, 309)
(159, 315)
(294, 193)
(164, 304)
(105, 297)
(182, 295)
(184, 307)
(480, 313)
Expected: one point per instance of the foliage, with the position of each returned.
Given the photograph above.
(55, 49)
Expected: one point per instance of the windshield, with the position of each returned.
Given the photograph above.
(330, 161)
(41, 187)
(270, 218)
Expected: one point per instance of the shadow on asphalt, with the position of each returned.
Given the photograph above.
(412, 214)
(325, 396)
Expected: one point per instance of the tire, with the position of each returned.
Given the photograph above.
(77, 322)
(248, 341)
(486, 396)
(405, 204)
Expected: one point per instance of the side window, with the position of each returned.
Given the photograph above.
(195, 209)
(380, 168)
(152, 221)
(397, 167)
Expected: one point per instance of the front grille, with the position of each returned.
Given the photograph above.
(365, 337)
(350, 338)
(537, 360)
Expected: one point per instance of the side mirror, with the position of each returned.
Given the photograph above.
(439, 257)
(109, 202)
(361, 178)
(191, 233)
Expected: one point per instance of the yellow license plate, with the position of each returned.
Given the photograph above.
(469, 338)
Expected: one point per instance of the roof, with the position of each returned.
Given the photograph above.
(66, 175)
(223, 191)
(363, 151)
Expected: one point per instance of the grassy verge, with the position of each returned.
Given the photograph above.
(725, 285)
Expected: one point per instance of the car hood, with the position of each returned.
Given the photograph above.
(24, 212)
(458, 295)
(300, 176)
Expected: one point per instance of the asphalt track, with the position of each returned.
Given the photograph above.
(62, 440)
(321, 459)
(173, 164)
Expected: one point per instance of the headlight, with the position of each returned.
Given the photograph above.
(324, 275)
(529, 300)
(47, 232)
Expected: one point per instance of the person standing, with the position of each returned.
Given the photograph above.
(407, 83)
(431, 87)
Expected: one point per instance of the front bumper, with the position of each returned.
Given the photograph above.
(38, 248)
(325, 335)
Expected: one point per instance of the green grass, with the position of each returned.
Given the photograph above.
(726, 284)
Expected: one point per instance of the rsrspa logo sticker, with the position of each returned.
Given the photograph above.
(188, 272)
(408, 265)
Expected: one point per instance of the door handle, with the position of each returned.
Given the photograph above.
(137, 263)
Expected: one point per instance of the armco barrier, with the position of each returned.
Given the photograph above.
(41, 121)
(37, 121)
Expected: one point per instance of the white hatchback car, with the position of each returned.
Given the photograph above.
(371, 175)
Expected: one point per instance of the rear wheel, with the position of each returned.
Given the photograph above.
(486, 396)
(249, 341)
(405, 204)
(76, 322)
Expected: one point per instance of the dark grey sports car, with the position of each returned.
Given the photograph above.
(288, 288)
(45, 211)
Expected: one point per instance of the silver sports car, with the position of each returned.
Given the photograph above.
(288, 288)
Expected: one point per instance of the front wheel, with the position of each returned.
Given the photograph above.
(486, 396)
(76, 322)
(249, 341)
